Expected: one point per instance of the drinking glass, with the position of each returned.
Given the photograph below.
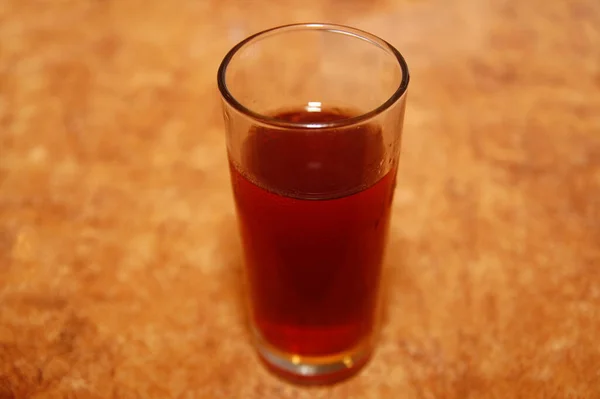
(313, 117)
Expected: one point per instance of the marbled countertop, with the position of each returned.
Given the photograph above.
(119, 258)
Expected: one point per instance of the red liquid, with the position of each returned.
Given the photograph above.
(314, 213)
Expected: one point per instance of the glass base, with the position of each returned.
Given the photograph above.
(313, 370)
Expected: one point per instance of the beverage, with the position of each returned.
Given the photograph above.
(314, 208)
(313, 188)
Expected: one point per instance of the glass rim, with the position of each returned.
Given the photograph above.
(341, 29)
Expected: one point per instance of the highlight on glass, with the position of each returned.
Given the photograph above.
(313, 117)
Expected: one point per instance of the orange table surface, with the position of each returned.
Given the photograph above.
(120, 266)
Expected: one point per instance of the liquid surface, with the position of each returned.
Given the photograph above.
(314, 214)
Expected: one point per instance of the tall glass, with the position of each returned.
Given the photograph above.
(313, 116)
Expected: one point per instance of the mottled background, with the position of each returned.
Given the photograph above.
(119, 263)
